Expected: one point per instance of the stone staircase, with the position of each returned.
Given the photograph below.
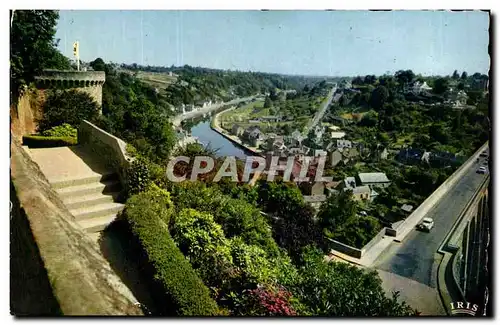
(91, 200)
(88, 190)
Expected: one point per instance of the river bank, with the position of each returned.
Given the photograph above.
(215, 125)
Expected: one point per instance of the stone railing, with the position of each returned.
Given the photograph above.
(56, 269)
(110, 149)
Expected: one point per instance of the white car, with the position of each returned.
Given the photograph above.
(427, 224)
(481, 170)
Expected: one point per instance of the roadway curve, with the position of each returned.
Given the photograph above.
(414, 258)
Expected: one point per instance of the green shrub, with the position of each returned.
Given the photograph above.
(137, 176)
(174, 284)
(39, 141)
(67, 106)
(64, 130)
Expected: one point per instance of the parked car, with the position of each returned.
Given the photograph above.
(426, 225)
(482, 170)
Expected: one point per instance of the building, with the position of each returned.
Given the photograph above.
(374, 179)
(319, 152)
(418, 88)
(312, 188)
(237, 130)
(361, 193)
(407, 208)
(384, 154)
(410, 155)
(459, 98)
(349, 183)
(335, 158)
(254, 136)
(343, 143)
(337, 135)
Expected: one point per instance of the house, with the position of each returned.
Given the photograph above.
(361, 193)
(349, 183)
(237, 130)
(459, 98)
(441, 158)
(337, 135)
(271, 118)
(343, 143)
(313, 188)
(374, 179)
(418, 88)
(319, 152)
(335, 158)
(254, 136)
(407, 208)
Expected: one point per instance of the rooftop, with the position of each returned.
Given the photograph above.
(373, 178)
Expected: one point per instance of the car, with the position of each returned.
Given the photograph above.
(482, 170)
(426, 225)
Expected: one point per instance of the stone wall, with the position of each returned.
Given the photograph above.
(89, 82)
(56, 268)
(110, 149)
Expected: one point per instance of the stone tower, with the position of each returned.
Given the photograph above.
(89, 82)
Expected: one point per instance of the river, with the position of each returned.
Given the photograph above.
(209, 137)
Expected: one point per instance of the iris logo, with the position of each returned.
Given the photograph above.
(461, 308)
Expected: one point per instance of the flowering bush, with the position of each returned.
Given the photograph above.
(268, 301)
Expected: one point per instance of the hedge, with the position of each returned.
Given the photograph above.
(40, 141)
(177, 288)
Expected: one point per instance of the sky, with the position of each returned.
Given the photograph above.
(323, 43)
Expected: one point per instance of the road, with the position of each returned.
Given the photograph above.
(414, 258)
(321, 112)
(176, 121)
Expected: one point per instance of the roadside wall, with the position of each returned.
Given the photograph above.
(60, 270)
(345, 249)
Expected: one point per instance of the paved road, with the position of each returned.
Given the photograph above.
(414, 257)
(321, 112)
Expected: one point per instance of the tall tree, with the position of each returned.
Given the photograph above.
(33, 46)
(463, 76)
(440, 86)
(455, 75)
(379, 97)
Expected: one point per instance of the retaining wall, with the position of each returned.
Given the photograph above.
(110, 149)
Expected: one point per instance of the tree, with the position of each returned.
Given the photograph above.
(404, 77)
(455, 75)
(370, 79)
(357, 81)
(67, 106)
(32, 46)
(340, 289)
(370, 119)
(440, 86)
(379, 97)
(98, 65)
(357, 231)
(336, 210)
(463, 76)
(268, 102)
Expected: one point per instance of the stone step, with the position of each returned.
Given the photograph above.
(94, 225)
(96, 211)
(63, 183)
(90, 188)
(83, 201)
